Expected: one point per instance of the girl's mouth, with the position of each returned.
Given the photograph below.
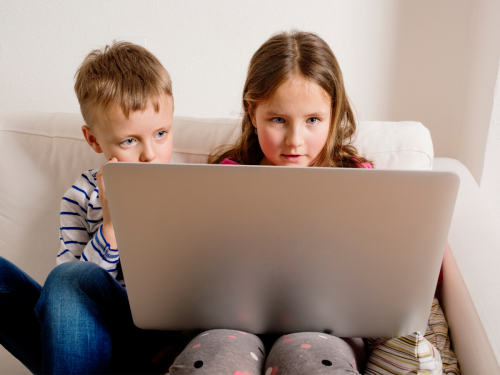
(292, 158)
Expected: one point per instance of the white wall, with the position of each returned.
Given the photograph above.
(402, 60)
(483, 55)
(490, 181)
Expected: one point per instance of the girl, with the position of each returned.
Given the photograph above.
(296, 113)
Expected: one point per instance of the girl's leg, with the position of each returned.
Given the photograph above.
(315, 353)
(19, 329)
(87, 326)
(221, 351)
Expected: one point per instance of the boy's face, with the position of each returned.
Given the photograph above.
(144, 137)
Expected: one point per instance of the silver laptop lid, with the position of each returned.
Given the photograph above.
(280, 249)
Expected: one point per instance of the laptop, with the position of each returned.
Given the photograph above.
(351, 252)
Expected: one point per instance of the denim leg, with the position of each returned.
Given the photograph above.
(19, 328)
(87, 326)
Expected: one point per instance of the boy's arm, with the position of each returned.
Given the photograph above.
(74, 229)
(107, 229)
(99, 251)
(81, 233)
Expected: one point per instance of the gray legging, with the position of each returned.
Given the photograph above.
(228, 352)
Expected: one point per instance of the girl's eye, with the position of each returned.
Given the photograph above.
(161, 134)
(128, 142)
(278, 120)
(313, 120)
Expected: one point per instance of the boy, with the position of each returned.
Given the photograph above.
(80, 321)
(125, 97)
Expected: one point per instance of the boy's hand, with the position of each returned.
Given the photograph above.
(107, 225)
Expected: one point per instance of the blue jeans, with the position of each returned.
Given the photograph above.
(78, 323)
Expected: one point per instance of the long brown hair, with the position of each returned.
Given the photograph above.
(280, 58)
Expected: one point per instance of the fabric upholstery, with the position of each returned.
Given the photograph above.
(42, 154)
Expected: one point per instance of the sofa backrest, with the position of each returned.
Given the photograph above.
(42, 154)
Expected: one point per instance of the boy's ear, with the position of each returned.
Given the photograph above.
(91, 139)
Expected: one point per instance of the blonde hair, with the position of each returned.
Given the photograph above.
(277, 60)
(124, 73)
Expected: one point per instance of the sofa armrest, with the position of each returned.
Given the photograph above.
(471, 286)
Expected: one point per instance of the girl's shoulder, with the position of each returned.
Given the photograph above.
(367, 165)
(229, 161)
(363, 165)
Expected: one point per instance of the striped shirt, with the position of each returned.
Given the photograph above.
(80, 233)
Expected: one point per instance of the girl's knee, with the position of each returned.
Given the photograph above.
(221, 351)
(312, 353)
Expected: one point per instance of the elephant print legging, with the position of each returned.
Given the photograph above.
(231, 352)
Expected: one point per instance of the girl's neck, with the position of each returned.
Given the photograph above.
(265, 161)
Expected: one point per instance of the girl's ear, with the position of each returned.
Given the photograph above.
(91, 139)
(251, 113)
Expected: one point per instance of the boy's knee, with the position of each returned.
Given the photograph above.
(71, 277)
(75, 284)
(13, 278)
(7, 270)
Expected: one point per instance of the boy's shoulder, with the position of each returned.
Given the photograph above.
(84, 185)
(88, 179)
(90, 174)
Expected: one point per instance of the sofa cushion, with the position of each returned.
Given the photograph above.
(391, 145)
(42, 154)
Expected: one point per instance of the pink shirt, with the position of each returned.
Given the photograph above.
(232, 162)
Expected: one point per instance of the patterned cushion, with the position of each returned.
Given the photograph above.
(437, 335)
(411, 354)
(387, 355)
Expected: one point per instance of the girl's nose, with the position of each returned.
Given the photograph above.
(148, 154)
(294, 137)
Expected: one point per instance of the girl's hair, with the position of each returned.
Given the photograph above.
(280, 58)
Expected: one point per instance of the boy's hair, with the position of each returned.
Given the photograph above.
(280, 58)
(124, 73)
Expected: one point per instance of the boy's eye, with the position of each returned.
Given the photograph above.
(312, 120)
(128, 142)
(278, 120)
(161, 134)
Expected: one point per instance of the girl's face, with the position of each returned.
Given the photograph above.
(293, 124)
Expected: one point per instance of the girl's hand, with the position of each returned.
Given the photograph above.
(107, 225)
(165, 357)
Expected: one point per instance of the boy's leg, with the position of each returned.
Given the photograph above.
(315, 353)
(87, 326)
(19, 329)
(221, 351)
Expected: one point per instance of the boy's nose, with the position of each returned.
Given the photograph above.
(148, 154)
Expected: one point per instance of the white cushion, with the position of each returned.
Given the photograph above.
(391, 145)
(42, 154)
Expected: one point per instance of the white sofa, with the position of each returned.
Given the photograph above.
(42, 154)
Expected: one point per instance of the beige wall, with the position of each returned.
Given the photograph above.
(481, 76)
(423, 60)
(490, 180)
